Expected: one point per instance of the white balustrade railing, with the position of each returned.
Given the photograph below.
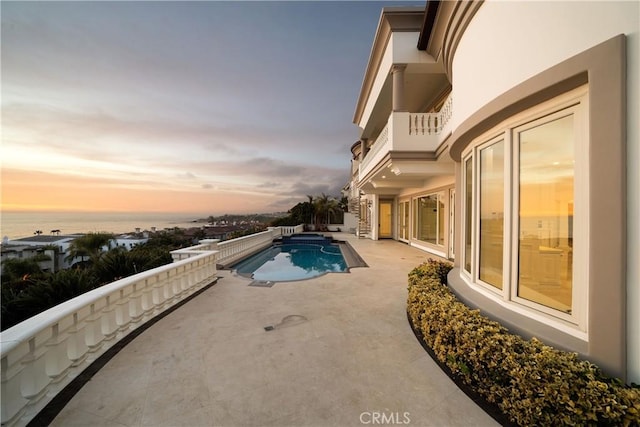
(408, 132)
(204, 246)
(287, 230)
(44, 353)
(372, 157)
(431, 123)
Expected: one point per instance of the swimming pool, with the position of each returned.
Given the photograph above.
(293, 261)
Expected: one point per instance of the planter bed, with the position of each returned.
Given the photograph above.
(517, 381)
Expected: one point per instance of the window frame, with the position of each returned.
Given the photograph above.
(469, 159)
(501, 137)
(574, 102)
(440, 225)
(404, 212)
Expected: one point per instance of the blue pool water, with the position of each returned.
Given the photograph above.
(293, 261)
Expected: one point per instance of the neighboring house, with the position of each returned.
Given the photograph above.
(128, 241)
(505, 137)
(27, 247)
(8, 252)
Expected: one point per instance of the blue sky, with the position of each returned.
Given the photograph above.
(193, 106)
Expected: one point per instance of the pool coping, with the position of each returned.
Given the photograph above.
(351, 256)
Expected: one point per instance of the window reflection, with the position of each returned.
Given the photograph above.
(491, 213)
(546, 213)
(430, 218)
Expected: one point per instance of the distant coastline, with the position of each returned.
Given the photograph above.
(15, 225)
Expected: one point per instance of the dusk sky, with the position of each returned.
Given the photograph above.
(203, 107)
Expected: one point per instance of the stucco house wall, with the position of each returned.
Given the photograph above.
(508, 43)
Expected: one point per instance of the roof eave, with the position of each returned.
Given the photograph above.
(392, 19)
(430, 13)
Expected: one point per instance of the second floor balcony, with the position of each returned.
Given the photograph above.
(420, 134)
(397, 156)
(403, 108)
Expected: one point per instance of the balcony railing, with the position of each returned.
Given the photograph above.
(409, 132)
(43, 354)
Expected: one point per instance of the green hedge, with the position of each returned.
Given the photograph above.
(531, 383)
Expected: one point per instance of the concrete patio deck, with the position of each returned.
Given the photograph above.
(341, 354)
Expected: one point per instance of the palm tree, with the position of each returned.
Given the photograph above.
(344, 204)
(324, 206)
(114, 265)
(90, 245)
(311, 207)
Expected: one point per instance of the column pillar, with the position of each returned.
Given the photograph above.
(397, 72)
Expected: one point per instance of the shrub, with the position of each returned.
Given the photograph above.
(530, 382)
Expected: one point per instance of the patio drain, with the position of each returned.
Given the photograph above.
(290, 320)
(262, 283)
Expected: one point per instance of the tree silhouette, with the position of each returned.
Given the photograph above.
(324, 207)
(89, 246)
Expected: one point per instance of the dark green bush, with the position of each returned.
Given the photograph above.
(531, 383)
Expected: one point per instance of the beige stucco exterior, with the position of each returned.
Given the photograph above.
(488, 62)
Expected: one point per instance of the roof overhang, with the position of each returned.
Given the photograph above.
(400, 170)
(430, 13)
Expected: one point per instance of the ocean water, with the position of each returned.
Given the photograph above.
(24, 224)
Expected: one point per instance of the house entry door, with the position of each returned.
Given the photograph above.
(385, 219)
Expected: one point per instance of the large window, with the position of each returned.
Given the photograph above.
(491, 213)
(546, 170)
(429, 214)
(519, 202)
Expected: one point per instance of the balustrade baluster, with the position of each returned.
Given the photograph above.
(176, 284)
(160, 293)
(77, 347)
(109, 322)
(57, 361)
(95, 328)
(201, 274)
(192, 278)
(13, 402)
(147, 298)
(135, 303)
(189, 278)
(123, 316)
(34, 378)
